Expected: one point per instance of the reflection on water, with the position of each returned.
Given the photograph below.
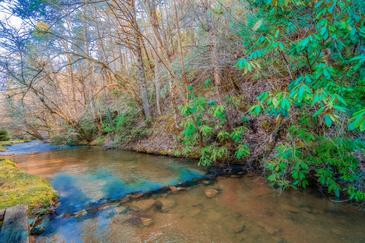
(245, 210)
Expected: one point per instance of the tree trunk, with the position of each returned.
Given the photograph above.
(141, 79)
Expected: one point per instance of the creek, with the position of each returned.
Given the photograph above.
(91, 183)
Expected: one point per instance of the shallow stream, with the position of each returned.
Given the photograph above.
(244, 209)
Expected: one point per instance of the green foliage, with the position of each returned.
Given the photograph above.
(86, 130)
(358, 121)
(330, 161)
(211, 154)
(318, 45)
(206, 132)
(325, 62)
(98, 141)
(4, 135)
(58, 140)
(242, 151)
(125, 126)
(119, 123)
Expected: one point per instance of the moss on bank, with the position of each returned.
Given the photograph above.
(18, 187)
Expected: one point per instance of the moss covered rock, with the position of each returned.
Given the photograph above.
(18, 187)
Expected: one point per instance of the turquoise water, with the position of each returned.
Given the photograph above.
(90, 177)
(100, 186)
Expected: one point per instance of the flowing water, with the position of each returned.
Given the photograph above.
(244, 210)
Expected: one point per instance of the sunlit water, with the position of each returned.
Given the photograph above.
(245, 209)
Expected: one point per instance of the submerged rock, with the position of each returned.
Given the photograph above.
(194, 211)
(93, 210)
(146, 221)
(143, 205)
(81, 213)
(121, 210)
(165, 204)
(139, 220)
(175, 189)
(270, 229)
(105, 206)
(136, 196)
(240, 228)
(211, 192)
(207, 182)
(40, 227)
(125, 199)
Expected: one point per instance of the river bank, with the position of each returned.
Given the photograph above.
(18, 187)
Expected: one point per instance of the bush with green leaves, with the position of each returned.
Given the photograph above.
(207, 132)
(118, 123)
(319, 47)
(331, 161)
(4, 135)
(87, 130)
(125, 126)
